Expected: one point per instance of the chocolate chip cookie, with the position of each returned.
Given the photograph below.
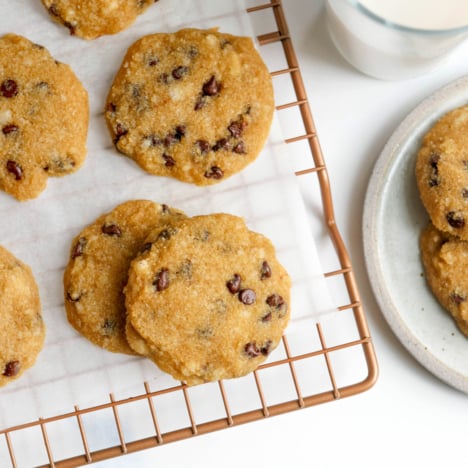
(90, 19)
(442, 172)
(445, 260)
(208, 298)
(97, 270)
(23, 330)
(43, 118)
(195, 105)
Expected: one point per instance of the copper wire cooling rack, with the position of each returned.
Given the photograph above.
(313, 366)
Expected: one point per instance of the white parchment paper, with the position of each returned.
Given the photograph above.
(70, 370)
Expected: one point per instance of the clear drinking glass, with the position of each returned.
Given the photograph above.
(383, 49)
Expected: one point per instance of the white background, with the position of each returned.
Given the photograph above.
(409, 418)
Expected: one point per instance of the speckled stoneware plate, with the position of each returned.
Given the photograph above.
(393, 220)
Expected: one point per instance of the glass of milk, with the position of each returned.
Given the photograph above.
(396, 39)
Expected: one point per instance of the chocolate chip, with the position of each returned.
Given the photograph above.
(203, 146)
(239, 148)
(111, 107)
(251, 349)
(206, 332)
(175, 137)
(456, 220)
(265, 349)
(71, 27)
(79, 248)
(434, 159)
(457, 298)
(211, 87)
(164, 78)
(267, 317)
(61, 164)
(214, 173)
(145, 248)
(275, 300)
(179, 72)
(434, 178)
(120, 131)
(73, 297)
(192, 51)
(11, 128)
(167, 233)
(111, 230)
(136, 91)
(247, 296)
(153, 140)
(42, 86)
(170, 139)
(152, 61)
(15, 169)
(185, 269)
(265, 270)
(12, 368)
(9, 88)
(180, 132)
(161, 281)
(202, 236)
(236, 129)
(465, 193)
(109, 326)
(234, 284)
(169, 161)
(222, 143)
(200, 103)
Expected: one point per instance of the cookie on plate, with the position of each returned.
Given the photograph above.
(23, 330)
(195, 105)
(209, 299)
(96, 273)
(445, 260)
(90, 19)
(43, 118)
(442, 172)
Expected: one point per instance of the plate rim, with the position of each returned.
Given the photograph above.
(386, 159)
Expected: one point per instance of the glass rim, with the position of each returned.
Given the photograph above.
(400, 27)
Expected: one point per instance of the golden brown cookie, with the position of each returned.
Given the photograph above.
(43, 118)
(209, 299)
(442, 172)
(97, 270)
(22, 328)
(445, 260)
(90, 19)
(195, 105)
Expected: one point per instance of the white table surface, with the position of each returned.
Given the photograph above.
(409, 418)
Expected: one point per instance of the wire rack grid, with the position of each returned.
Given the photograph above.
(311, 365)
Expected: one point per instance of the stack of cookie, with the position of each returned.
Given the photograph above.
(442, 179)
(203, 297)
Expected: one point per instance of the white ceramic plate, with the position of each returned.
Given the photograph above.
(393, 219)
